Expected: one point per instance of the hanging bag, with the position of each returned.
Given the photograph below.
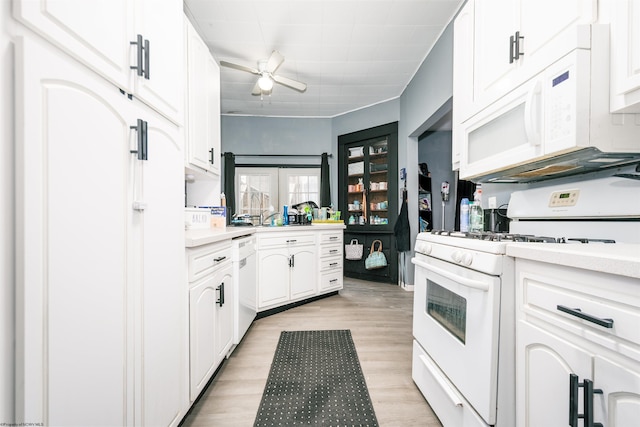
(376, 258)
(353, 251)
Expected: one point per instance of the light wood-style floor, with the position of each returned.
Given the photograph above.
(379, 316)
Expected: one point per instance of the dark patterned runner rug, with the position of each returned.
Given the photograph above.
(316, 380)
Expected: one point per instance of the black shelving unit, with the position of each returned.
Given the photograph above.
(368, 196)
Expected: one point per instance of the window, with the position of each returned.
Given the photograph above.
(259, 189)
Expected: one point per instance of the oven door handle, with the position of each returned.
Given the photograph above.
(448, 390)
(470, 283)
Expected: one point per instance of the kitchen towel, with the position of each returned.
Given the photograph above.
(316, 379)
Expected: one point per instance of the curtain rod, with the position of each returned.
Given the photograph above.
(279, 155)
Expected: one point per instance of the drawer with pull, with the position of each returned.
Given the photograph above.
(331, 237)
(331, 264)
(330, 280)
(333, 250)
(597, 306)
(205, 259)
(278, 239)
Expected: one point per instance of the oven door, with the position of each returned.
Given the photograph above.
(456, 321)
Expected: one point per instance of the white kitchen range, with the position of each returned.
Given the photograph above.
(538, 326)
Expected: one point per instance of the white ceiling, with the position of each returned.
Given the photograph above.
(351, 53)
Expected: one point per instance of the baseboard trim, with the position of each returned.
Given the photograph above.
(286, 307)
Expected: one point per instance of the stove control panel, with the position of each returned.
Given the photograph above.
(564, 198)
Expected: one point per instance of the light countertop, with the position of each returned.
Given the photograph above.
(619, 258)
(199, 237)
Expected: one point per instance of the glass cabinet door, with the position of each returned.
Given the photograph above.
(378, 183)
(368, 183)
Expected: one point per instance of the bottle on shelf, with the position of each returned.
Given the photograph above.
(464, 215)
(476, 216)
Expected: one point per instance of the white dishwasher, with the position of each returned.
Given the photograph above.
(245, 284)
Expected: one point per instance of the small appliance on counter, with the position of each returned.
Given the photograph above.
(197, 218)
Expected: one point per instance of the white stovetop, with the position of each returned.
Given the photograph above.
(617, 258)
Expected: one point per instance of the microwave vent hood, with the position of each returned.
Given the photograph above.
(576, 162)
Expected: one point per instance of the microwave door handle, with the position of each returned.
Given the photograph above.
(469, 283)
(532, 115)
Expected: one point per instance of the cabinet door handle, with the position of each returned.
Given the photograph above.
(588, 392)
(514, 47)
(293, 261)
(139, 47)
(606, 323)
(147, 58)
(573, 400)
(220, 289)
(211, 156)
(141, 132)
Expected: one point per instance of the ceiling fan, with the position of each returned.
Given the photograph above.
(266, 70)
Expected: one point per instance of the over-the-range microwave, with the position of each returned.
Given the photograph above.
(556, 124)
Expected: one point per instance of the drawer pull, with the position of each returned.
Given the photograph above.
(333, 280)
(333, 237)
(606, 323)
(291, 241)
(219, 259)
(333, 251)
(333, 264)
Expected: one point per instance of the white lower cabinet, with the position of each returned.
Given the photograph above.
(210, 311)
(286, 268)
(100, 303)
(331, 268)
(580, 324)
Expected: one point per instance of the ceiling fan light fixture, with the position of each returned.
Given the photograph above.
(265, 82)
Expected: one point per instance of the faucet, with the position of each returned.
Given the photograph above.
(271, 215)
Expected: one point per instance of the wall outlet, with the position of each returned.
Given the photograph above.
(493, 203)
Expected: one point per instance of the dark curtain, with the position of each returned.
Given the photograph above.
(325, 187)
(229, 184)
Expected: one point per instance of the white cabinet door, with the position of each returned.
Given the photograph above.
(303, 277)
(551, 29)
(543, 365)
(619, 405)
(163, 293)
(625, 56)
(224, 312)
(74, 348)
(160, 22)
(203, 93)
(273, 277)
(463, 36)
(492, 71)
(97, 33)
(202, 331)
(100, 35)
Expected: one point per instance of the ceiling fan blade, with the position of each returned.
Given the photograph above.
(256, 89)
(275, 60)
(293, 84)
(239, 67)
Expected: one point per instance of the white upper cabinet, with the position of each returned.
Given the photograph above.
(203, 105)
(513, 41)
(104, 36)
(625, 56)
